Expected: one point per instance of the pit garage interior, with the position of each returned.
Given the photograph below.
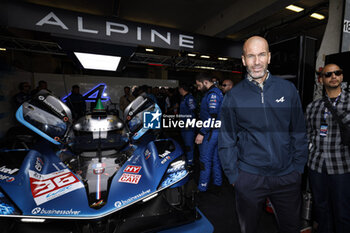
(162, 43)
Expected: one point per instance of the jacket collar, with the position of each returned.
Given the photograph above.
(343, 97)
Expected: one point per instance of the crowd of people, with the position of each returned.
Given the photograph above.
(265, 141)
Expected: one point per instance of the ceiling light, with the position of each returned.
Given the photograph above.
(205, 67)
(97, 61)
(2, 49)
(205, 56)
(317, 16)
(149, 50)
(294, 8)
(222, 58)
(191, 55)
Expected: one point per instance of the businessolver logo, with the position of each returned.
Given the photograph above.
(151, 120)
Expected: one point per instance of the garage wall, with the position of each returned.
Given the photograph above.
(61, 85)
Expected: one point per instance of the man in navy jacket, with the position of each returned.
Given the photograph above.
(263, 142)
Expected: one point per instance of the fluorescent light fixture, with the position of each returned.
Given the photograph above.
(317, 16)
(33, 220)
(191, 55)
(97, 61)
(222, 58)
(205, 67)
(205, 56)
(2, 49)
(294, 8)
(149, 50)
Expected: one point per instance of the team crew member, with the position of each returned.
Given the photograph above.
(263, 142)
(207, 138)
(126, 99)
(227, 85)
(76, 103)
(187, 111)
(329, 160)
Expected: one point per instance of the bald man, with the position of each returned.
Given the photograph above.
(262, 142)
(329, 159)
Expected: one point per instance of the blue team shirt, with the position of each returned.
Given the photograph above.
(210, 106)
(188, 106)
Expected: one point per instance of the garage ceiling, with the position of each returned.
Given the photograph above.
(232, 19)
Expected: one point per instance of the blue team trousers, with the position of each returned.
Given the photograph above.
(210, 162)
(188, 138)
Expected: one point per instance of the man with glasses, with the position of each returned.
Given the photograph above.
(263, 142)
(329, 159)
(227, 85)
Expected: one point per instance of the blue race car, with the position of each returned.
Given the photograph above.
(97, 175)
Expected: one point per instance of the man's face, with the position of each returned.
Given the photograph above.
(127, 91)
(26, 88)
(200, 86)
(329, 77)
(181, 91)
(43, 86)
(75, 90)
(226, 86)
(256, 57)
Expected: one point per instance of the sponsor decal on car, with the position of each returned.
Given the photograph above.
(147, 154)
(9, 171)
(7, 178)
(46, 187)
(43, 211)
(134, 159)
(130, 178)
(166, 152)
(165, 160)
(120, 203)
(39, 164)
(132, 169)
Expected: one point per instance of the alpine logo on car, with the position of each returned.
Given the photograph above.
(130, 178)
(9, 171)
(44, 211)
(132, 169)
(50, 186)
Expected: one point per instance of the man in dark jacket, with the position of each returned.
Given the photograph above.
(263, 142)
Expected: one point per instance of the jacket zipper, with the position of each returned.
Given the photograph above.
(263, 102)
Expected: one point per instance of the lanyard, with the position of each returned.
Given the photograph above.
(326, 111)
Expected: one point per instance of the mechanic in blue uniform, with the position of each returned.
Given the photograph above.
(207, 138)
(187, 111)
